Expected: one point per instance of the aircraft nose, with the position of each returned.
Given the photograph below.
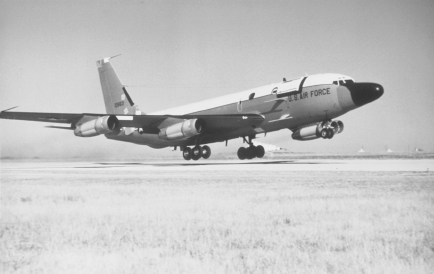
(364, 93)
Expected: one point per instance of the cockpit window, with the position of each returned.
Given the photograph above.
(343, 82)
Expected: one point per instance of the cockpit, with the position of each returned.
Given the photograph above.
(327, 79)
(296, 85)
(342, 81)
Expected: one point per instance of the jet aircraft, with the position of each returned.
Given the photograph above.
(307, 106)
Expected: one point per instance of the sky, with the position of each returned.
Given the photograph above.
(178, 52)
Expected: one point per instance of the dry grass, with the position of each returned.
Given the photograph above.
(124, 220)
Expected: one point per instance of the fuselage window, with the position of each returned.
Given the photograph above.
(274, 90)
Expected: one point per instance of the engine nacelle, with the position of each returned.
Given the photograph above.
(337, 126)
(101, 125)
(307, 133)
(314, 131)
(183, 130)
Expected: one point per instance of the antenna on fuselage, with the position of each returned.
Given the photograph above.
(284, 79)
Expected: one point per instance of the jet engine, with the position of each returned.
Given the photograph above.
(186, 129)
(325, 130)
(101, 125)
(338, 126)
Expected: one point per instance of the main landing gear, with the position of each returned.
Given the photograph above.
(250, 152)
(196, 152)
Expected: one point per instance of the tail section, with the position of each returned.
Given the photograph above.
(116, 98)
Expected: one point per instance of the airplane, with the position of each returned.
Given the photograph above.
(305, 105)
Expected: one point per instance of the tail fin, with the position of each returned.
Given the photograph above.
(116, 98)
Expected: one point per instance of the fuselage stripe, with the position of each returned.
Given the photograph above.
(128, 97)
(301, 84)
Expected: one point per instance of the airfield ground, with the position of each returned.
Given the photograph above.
(269, 216)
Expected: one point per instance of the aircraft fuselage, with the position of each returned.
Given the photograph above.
(289, 104)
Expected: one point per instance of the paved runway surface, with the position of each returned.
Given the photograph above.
(215, 216)
(257, 165)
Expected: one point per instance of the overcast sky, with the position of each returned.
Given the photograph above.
(177, 52)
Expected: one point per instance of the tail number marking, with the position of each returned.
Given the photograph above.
(119, 104)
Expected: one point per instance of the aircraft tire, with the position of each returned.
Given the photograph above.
(259, 151)
(186, 153)
(196, 153)
(242, 151)
(251, 152)
(324, 133)
(330, 134)
(206, 152)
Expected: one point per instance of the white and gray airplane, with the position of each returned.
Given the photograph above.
(306, 106)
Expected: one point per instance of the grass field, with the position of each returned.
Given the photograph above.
(129, 220)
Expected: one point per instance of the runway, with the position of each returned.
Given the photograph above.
(283, 216)
(257, 165)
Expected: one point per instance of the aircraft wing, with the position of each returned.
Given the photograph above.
(67, 118)
(213, 123)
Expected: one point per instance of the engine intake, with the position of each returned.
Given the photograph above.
(101, 125)
(337, 126)
(314, 131)
(183, 130)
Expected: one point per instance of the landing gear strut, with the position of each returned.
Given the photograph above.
(196, 152)
(250, 152)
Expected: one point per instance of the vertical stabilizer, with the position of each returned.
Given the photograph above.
(116, 98)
